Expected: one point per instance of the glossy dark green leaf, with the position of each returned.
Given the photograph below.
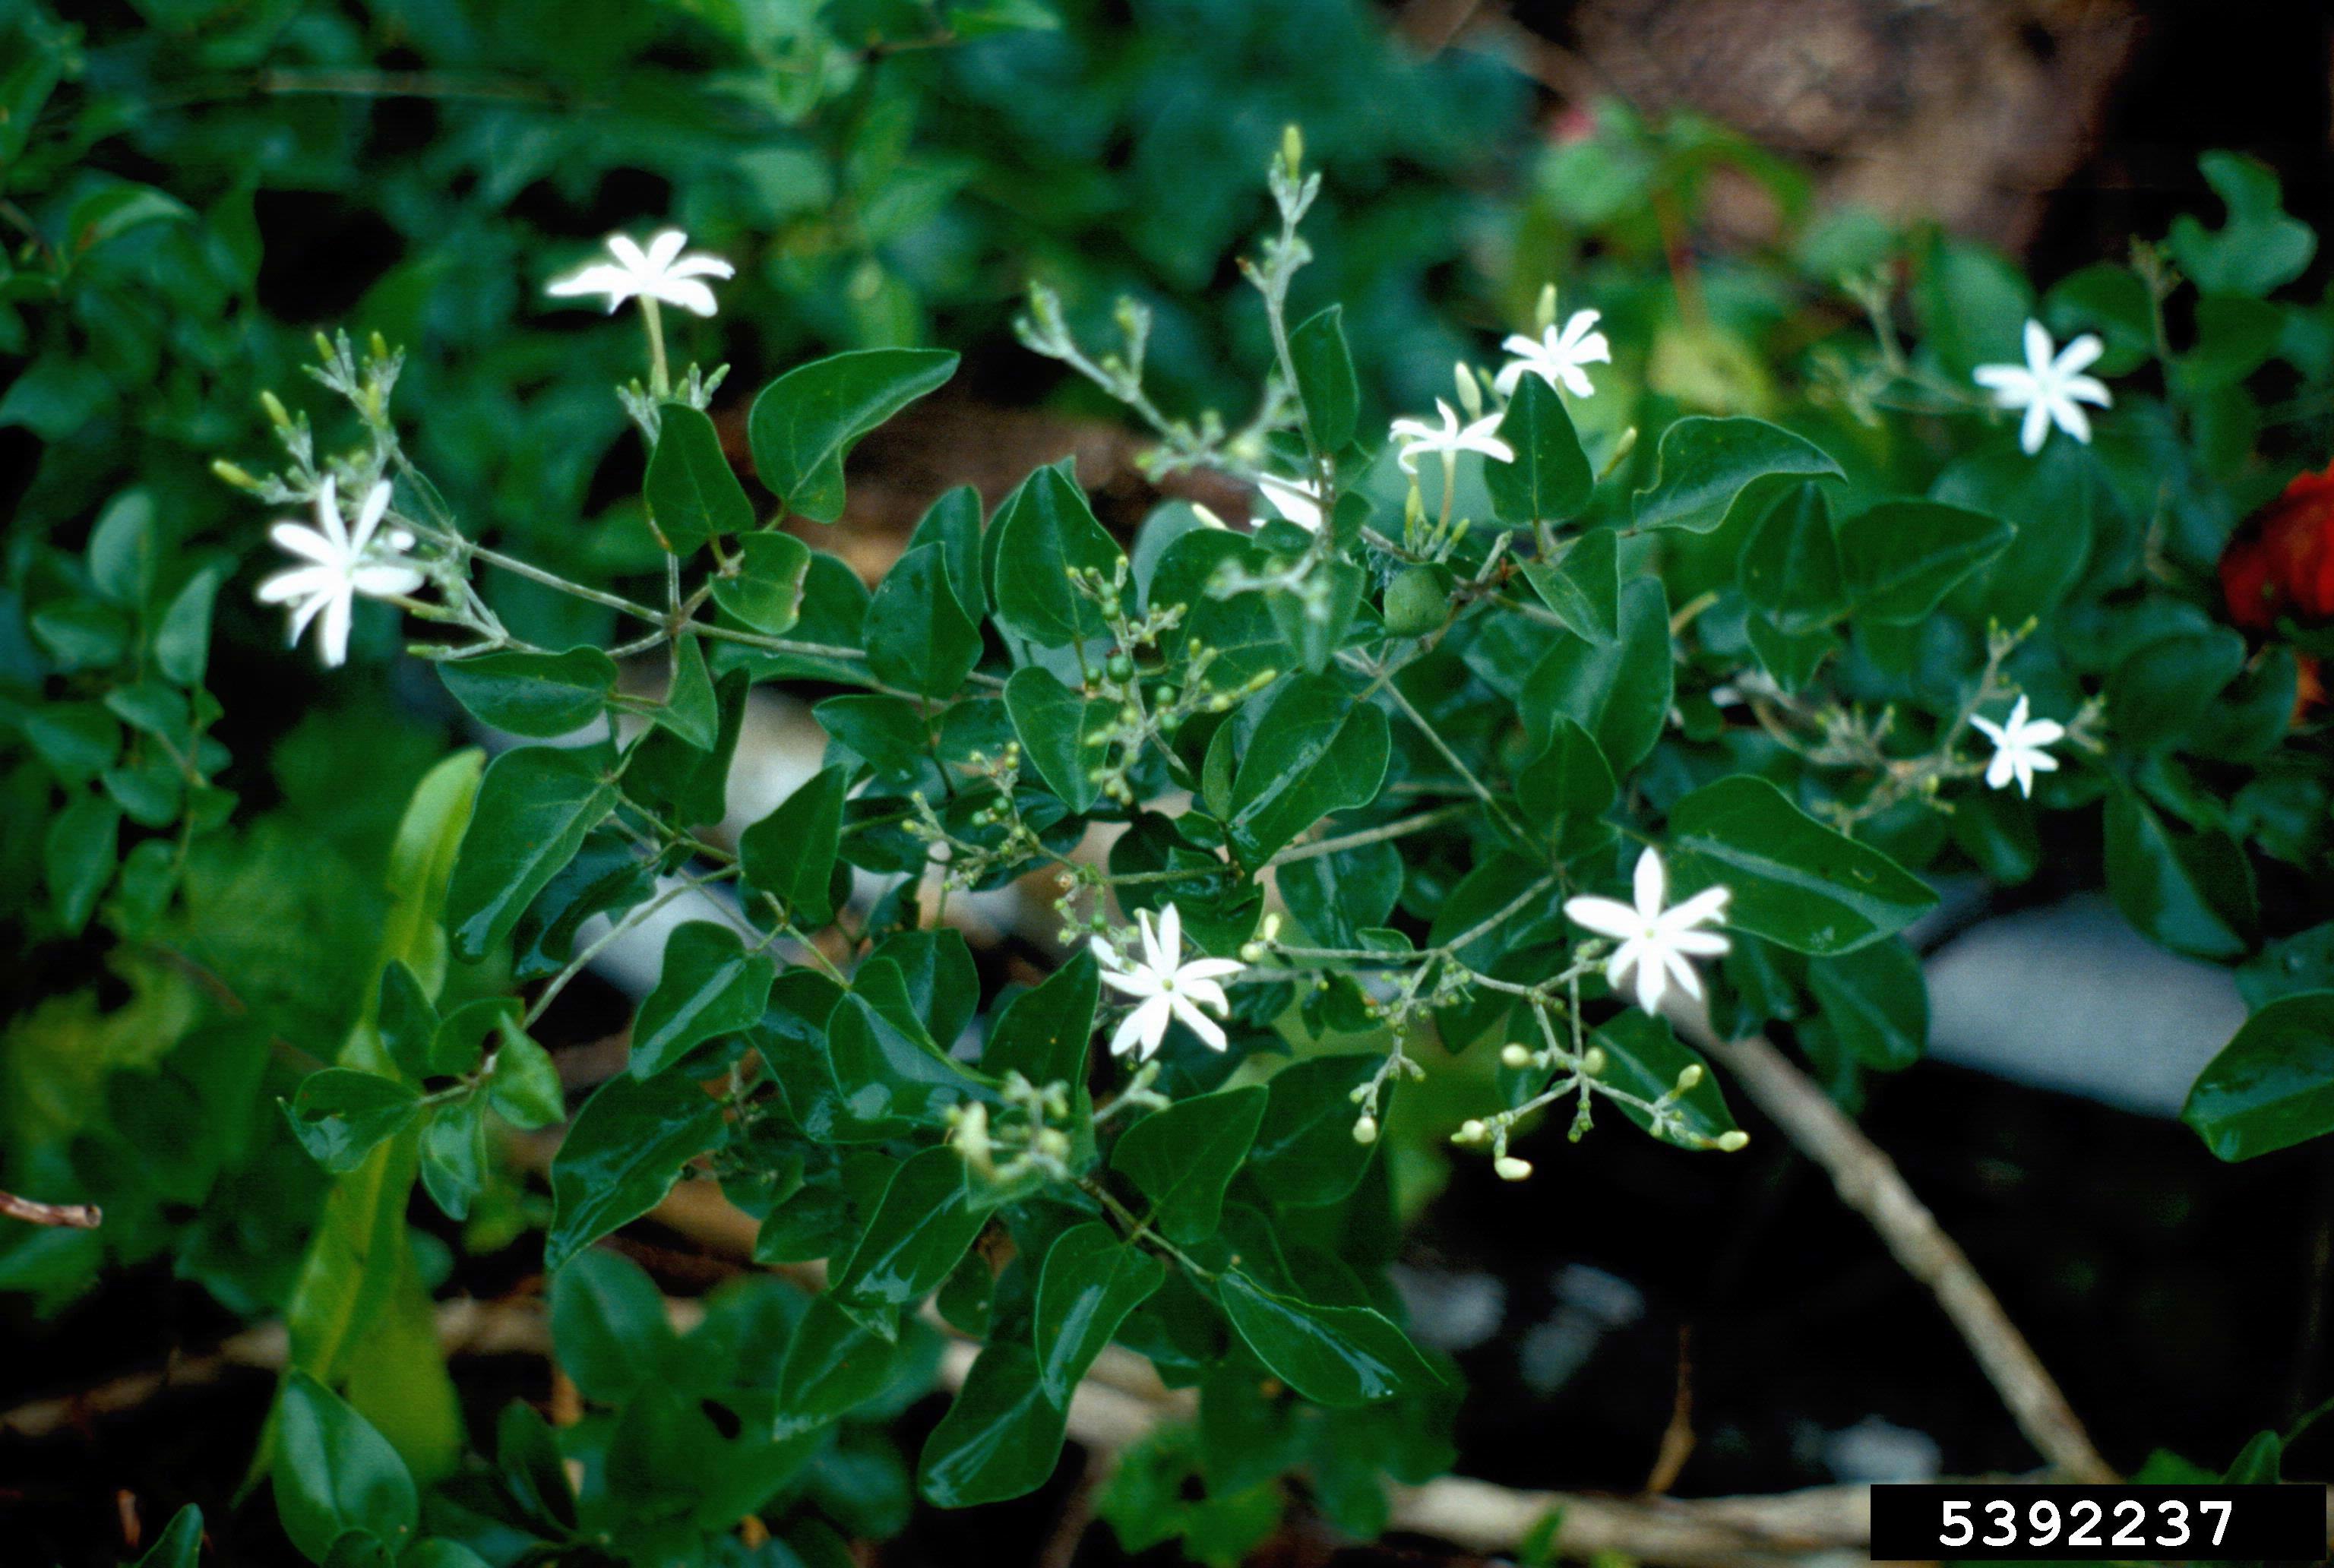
(1582, 586)
(1315, 628)
(608, 1324)
(692, 495)
(1876, 1002)
(885, 731)
(179, 1544)
(953, 524)
(1901, 558)
(1792, 658)
(1242, 627)
(918, 638)
(1181, 1159)
(690, 710)
(833, 1364)
(2049, 499)
(1551, 480)
(454, 1154)
(1794, 880)
(1705, 464)
(1043, 1033)
(1644, 1057)
(919, 1231)
(526, 1458)
(943, 984)
(458, 1041)
(523, 1084)
(80, 853)
(692, 782)
(1338, 1356)
(1339, 896)
(2191, 891)
(2161, 690)
(334, 1472)
(1315, 750)
(182, 642)
(710, 985)
(1325, 377)
(894, 1077)
(1000, 1438)
(340, 1114)
(1091, 1280)
(763, 584)
(535, 805)
(1565, 792)
(2273, 1085)
(622, 1154)
(790, 854)
(539, 695)
(1305, 1153)
(803, 424)
(1790, 567)
(1618, 692)
(407, 1019)
(1045, 531)
(1052, 723)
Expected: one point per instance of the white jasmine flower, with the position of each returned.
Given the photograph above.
(1166, 988)
(1557, 357)
(341, 562)
(658, 272)
(1656, 942)
(2050, 386)
(1417, 435)
(1294, 499)
(2018, 751)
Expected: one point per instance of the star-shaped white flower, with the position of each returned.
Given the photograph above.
(2018, 751)
(1294, 499)
(1557, 357)
(1656, 942)
(339, 562)
(1166, 989)
(658, 273)
(1417, 435)
(2050, 386)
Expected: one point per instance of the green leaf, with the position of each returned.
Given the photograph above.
(1876, 1002)
(1052, 723)
(341, 1115)
(2192, 892)
(621, 1155)
(918, 638)
(1091, 1280)
(1043, 532)
(763, 585)
(803, 424)
(607, 1326)
(896, 1079)
(710, 985)
(1325, 377)
(1791, 658)
(1181, 1159)
(334, 1472)
(1795, 882)
(1706, 464)
(179, 1543)
(2273, 1085)
(79, 856)
(1305, 1153)
(953, 524)
(1339, 1356)
(1618, 692)
(1901, 558)
(1551, 480)
(1644, 1058)
(121, 549)
(527, 1456)
(1241, 628)
(539, 695)
(458, 1042)
(1317, 628)
(1315, 750)
(454, 1154)
(523, 1084)
(1043, 1033)
(885, 731)
(833, 1363)
(1790, 567)
(182, 643)
(690, 710)
(1583, 585)
(1565, 792)
(533, 807)
(920, 1230)
(2160, 691)
(1000, 1438)
(790, 854)
(2260, 249)
(692, 495)
(2048, 499)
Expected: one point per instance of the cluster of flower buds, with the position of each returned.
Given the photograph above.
(1023, 1139)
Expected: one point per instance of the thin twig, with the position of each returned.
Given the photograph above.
(75, 1216)
(1869, 1183)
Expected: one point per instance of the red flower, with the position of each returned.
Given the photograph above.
(2282, 562)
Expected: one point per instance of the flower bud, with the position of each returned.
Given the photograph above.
(1592, 1062)
(229, 474)
(1292, 147)
(1469, 1131)
(1515, 1056)
(1470, 392)
(1733, 1140)
(1544, 312)
(1688, 1076)
(1366, 1131)
(278, 414)
(1510, 1168)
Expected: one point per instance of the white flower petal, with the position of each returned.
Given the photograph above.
(1605, 917)
(1650, 884)
(1199, 1023)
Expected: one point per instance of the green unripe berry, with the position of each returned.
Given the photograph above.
(1418, 600)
